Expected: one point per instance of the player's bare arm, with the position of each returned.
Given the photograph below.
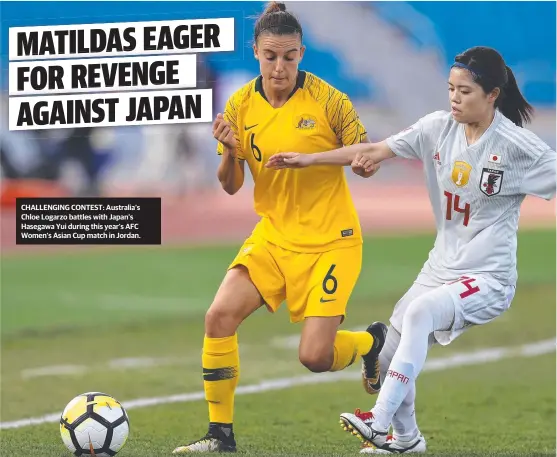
(363, 165)
(363, 157)
(231, 168)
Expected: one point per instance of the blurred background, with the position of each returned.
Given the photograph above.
(129, 321)
(390, 58)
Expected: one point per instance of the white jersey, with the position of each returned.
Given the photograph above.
(476, 191)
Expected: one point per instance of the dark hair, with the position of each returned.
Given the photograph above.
(490, 71)
(275, 20)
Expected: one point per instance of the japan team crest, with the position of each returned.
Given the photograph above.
(490, 182)
(461, 173)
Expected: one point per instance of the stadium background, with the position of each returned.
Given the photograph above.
(129, 321)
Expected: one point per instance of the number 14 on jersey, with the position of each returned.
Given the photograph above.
(453, 204)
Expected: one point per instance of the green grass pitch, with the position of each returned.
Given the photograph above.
(129, 322)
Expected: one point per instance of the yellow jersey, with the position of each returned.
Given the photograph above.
(308, 209)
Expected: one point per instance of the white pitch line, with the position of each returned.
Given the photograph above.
(53, 370)
(456, 360)
(127, 363)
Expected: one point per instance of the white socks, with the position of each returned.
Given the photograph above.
(428, 313)
(405, 427)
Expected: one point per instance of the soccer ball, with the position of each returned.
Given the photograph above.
(95, 424)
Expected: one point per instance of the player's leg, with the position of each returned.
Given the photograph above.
(393, 336)
(405, 428)
(406, 436)
(252, 280)
(322, 301)
(448, 311)
(325, 348)
(316, 351)
(426, 313)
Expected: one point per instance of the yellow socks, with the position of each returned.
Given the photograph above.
(348, 347)
(221, 368)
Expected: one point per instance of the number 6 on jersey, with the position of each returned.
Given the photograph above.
(256, 151)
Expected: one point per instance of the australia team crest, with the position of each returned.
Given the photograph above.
(490, 182)
(305, 122)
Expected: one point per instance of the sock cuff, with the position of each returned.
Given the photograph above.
(220, 345)
(363, 341)
(407, 437)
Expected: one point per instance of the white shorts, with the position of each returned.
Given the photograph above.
(477, 300)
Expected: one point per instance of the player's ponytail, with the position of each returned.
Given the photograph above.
(490, 71)
(275, 20)
(513, 104)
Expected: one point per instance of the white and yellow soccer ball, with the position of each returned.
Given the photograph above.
(95, 424)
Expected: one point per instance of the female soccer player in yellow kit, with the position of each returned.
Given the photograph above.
(307, 247)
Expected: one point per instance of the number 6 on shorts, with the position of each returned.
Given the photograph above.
(328, 279)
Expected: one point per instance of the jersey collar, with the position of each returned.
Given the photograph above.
(492, 127)
(300, 80)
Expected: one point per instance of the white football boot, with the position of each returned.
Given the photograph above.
(396, 446)
(361, 424)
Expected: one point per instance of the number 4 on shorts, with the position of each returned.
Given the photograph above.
(467, 281)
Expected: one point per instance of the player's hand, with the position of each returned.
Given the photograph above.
(223, 133)
(364, 166)
(289, 160)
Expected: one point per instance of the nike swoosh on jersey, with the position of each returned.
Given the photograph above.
(325, 300)
(250, 127)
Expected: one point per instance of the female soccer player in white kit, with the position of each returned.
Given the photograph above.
(479, 165)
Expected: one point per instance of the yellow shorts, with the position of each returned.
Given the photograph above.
(313, 284)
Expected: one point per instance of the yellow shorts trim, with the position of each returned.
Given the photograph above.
(313, 284)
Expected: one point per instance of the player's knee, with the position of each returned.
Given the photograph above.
(236, 299)
(419, 319)
(220, 322)
(418, 312)
(315, 362)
